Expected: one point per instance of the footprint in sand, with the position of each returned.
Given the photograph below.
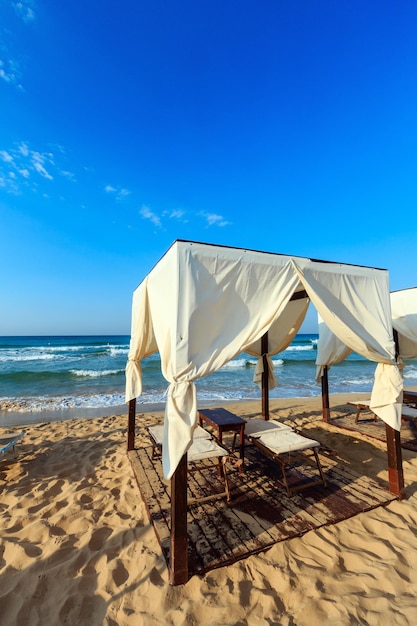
(31, 550)
(120, 574)
(56, 531)
(98, 538)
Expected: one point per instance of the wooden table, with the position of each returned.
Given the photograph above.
(222, 421)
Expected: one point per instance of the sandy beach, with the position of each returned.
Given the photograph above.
(77, 546)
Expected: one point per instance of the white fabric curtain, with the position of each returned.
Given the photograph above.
(142, 341)
(404, 320)
(355, 306)
(280, 335)
(330, 350)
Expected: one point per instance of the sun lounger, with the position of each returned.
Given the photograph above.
(8, 442)
(285, 446)
(202, 448)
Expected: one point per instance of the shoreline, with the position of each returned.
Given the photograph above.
(10, 418)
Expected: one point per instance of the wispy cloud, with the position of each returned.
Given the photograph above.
(21, 166)
(10, 73)
(118, 192)
(179, 215)
(39, 163)
(25, 10)
(147, 214)
(213, 219)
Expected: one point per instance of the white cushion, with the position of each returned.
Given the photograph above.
(258, 426)
(204, 449)
(157, 433)
(287, 441)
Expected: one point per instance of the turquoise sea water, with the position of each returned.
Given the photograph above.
(44, 373)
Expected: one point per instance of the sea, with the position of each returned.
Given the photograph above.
(47, 378)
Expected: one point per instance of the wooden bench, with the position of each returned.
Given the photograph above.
(361, 405)
(407, 412)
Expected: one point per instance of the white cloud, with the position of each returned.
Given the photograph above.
(7, 77)
(6, 157)
(177, 215)
(213, 219)
(10, 73)
(147, 214)
(9, 66)
(25, 11)
(38, 162)
(25, 166)
(67, 174)
(119, 192)
(23, 149)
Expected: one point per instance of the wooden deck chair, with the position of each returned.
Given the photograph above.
(285, 446)
(202, 448)
(8, 442)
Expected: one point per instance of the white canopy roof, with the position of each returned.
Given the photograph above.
(202, 305)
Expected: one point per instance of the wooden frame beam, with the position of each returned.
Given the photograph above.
(395, 462)
(265, 381)
(325, 394)
(394, 451)
(131, 425)
(178, 560)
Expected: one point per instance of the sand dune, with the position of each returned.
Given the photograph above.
(77, 547)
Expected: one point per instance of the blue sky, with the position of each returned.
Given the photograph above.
(281, 126)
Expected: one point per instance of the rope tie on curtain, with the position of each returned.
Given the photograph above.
(134, 379)
(259, 370)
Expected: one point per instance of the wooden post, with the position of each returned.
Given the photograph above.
(395, 463)
(131, 425)
(395, 459)
(178, 560)
(325, 394)
(265, 379)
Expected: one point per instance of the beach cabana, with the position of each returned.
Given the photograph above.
(202, 305)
